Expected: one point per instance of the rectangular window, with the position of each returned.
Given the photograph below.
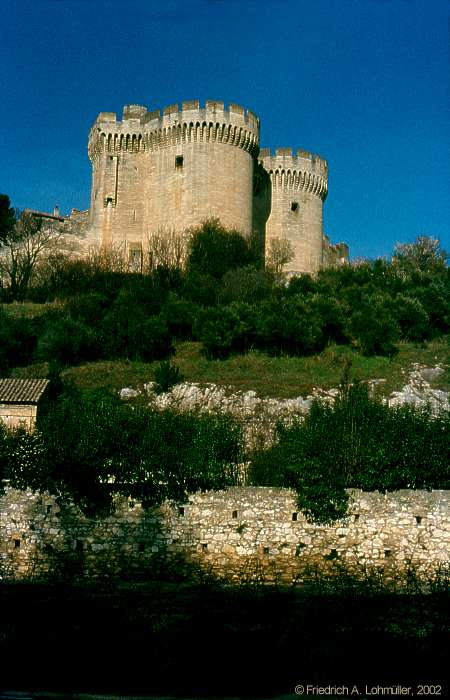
(178, 161)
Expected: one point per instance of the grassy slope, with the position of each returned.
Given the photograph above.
(281, 377)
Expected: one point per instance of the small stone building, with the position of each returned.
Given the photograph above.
(20, 400)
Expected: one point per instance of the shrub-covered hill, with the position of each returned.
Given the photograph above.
(94, 311)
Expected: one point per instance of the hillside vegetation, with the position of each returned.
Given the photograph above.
(212, 320)
(93, 312)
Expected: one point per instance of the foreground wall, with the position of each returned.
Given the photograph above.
(241, 534)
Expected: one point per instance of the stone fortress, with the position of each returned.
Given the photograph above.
(154, 173)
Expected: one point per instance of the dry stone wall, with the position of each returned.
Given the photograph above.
(242, 534)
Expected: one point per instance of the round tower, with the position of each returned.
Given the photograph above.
(299, 185)
(154, 172)
(200, 165)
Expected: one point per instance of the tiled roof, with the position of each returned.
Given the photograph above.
(22, 390)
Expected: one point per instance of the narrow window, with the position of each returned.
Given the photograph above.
(181, 511)
(204, 545)
(178, 161)
(234, 514)
(294, 517)
(49, 509)
(387, 553)
(294, 206)
(108, 201)
(356, 517)
(266, 550)
(131, 505)
(16, 544)
(418, 519)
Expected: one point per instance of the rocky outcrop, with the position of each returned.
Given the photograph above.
(419, 392)
(259, 416)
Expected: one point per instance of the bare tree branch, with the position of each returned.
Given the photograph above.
(27, 244)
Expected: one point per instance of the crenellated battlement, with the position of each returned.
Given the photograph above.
(303, 171)
(141, 130)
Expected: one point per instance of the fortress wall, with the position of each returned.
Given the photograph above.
(118, 177)
(241, 534)
(215, 180)
(299, 187)
(128, 225)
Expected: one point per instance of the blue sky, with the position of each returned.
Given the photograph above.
(364, 83)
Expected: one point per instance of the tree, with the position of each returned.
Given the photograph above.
(424, 255)
(7, 219)
(213, 250)
(280, 253)
(167, 248)
(24, 246)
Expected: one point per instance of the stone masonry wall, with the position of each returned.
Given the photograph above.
(15, 415)
(242, 534)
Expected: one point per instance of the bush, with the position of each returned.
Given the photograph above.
(64, 277)
(67, 342)
(373, 326)
(180, 315)
(412, 319)
(88, 308)
(18, 340)
(166, 375)
(290, 326)
(127, 332)
(94, 446)
(358, 442)
(225, 330)
(213, 250)
(199, 288)
(244, 283)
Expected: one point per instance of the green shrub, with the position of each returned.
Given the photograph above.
(213, 250)
(67, 342)
(180, 315)
(357, 442)
(88, 308)
(126, 332)
(94, 446)
(373, 326)
(225, 330)
(290, 326)
(246, 283)
(166, 375)
(18, 339)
